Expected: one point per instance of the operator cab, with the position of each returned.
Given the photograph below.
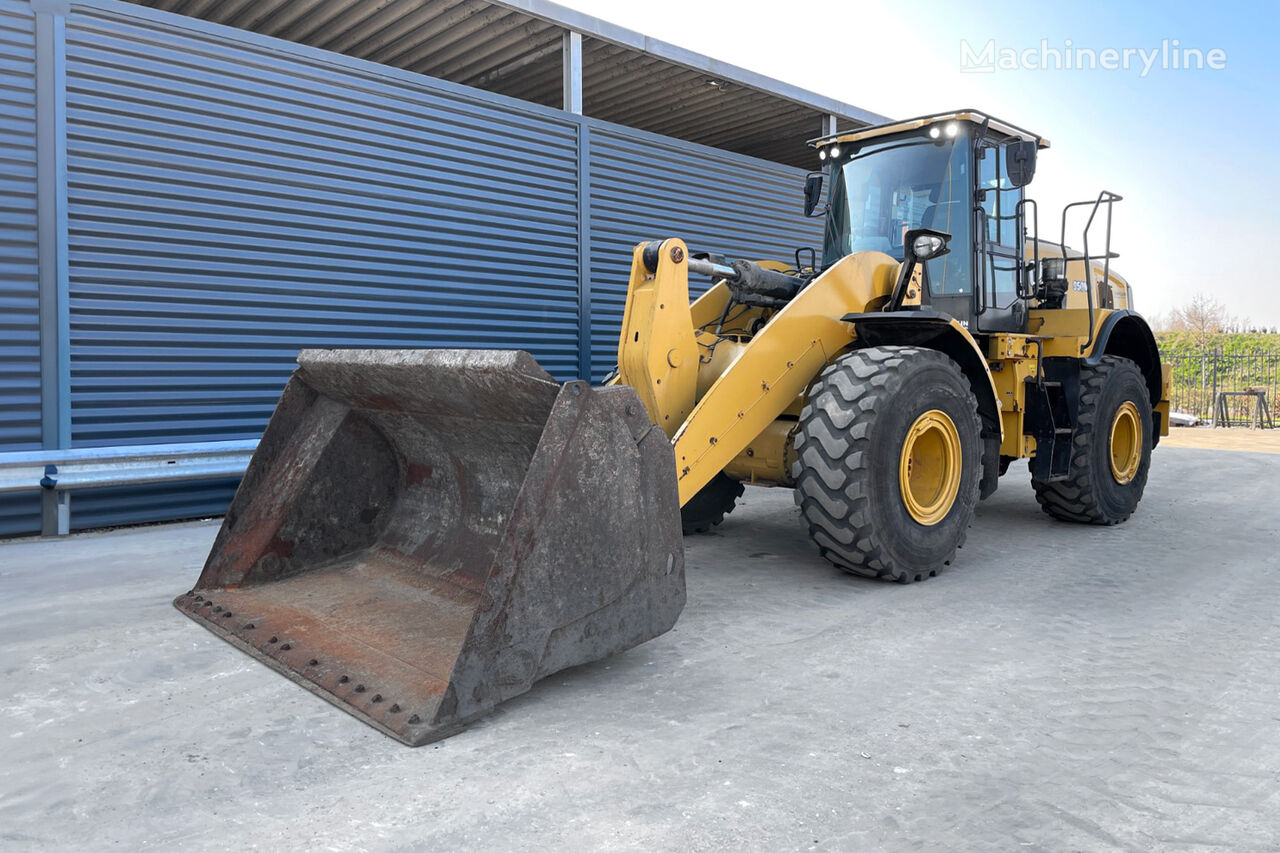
(959, 174)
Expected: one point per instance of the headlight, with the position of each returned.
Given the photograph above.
(835, 150)
(822, 153)
(934, 132)
(926, 246)
(953, 129)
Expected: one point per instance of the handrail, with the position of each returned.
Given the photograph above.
(1109, 198)
(985, 287)
(1020, 211)
(981, 255)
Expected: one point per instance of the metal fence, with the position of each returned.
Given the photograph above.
(1197, 379)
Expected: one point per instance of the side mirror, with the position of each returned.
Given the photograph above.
(1020, 162)
(812, 192)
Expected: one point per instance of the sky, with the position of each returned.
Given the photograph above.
(1192, 151)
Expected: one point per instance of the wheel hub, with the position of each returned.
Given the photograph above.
(1126, 443)
(929, 467)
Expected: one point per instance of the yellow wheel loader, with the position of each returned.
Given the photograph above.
(423, 534)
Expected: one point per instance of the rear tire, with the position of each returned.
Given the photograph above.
(710, 505)
(1108, 470)
(870, 416)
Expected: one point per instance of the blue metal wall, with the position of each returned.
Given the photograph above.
(230, 205)
(645, 186)
(19, 285)
(232, 198)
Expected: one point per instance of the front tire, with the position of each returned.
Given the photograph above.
(1110, 449)
(889, 462)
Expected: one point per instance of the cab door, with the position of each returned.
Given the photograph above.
(999, 232)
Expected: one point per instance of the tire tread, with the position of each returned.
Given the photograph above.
(1075, 499)
(833, 446)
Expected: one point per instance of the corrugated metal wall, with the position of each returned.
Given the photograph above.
(229, 205)
(19, 307)
(232, 199)
(646, 187)
(19, 319)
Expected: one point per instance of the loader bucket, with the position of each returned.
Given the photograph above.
(422, 534)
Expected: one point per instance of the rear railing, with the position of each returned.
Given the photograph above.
(1099, 294)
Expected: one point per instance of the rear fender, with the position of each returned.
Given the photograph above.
(1127, 335)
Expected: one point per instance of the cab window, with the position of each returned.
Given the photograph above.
(889, 187)
(998, 197)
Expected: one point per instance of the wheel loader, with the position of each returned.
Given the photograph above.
(422, 534)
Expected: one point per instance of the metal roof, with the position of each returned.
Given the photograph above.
(514, 47)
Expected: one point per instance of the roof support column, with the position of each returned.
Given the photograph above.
(584, 252)
(828, 125)
(571, 62)
(51, 236)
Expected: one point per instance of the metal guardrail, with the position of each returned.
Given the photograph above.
(57, 472)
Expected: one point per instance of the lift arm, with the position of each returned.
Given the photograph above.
(658, 354)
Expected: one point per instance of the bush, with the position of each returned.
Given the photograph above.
(1175, 344)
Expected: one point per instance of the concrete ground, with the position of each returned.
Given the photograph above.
(1222, 438)
(1060, 688)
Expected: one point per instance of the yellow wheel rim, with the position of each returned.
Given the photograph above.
(929, 470)
(1126, 443)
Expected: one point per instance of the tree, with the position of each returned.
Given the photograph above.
(1203, 317)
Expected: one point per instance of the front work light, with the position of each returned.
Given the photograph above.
(919, 245)
(926, 246)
